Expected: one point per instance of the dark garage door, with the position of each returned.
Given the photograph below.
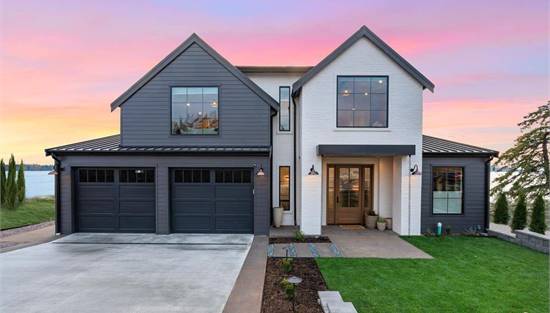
(115, 200)
(212, 200)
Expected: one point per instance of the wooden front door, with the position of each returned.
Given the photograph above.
(349, 193)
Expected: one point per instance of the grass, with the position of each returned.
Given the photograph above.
(467, 274)
(32, 211)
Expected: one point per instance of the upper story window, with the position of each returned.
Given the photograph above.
(195, 110)
(284, 110)
(447, 190)
(362, 101)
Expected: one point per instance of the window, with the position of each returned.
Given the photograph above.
(362, 101)
(96, 175)
(195, 110)
(447, 189)
(284, 110)
(233, 176)
(136, 176)
(284, 187)
(195, 175)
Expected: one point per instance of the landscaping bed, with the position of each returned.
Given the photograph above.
(31, 211)
(305, 301)
(318, 239)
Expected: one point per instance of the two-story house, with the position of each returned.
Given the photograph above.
(206, 146)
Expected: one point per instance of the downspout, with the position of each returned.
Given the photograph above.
(294, 155)
(487, 192)
(273, 114)
(409, 196)
(57, 169)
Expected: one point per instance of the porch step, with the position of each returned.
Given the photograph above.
(331, 302)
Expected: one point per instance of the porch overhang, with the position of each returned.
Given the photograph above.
(365, 150)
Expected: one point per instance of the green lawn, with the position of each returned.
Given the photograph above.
(32, 211)
(467, 274)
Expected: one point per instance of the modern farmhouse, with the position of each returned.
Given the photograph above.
(206, 146)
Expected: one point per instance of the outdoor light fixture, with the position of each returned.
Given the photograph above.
(414, 170)
(260, 171)
(139, 171)
(312, 170)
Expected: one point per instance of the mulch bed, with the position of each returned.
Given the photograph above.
(319, 239)
(274, 299)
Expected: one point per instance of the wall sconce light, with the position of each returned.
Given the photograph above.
(312, 170)
(260, 171)
(414, 170)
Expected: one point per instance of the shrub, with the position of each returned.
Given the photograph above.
(299, 236)
(519, 220)
(21, 182)
(286, 264)
(538, 224)
(501, 215)
(3, 181)
(289, 289)
(11, 188)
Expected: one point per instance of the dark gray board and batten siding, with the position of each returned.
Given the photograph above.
(243, 115)
(475, 194)
(162, 166)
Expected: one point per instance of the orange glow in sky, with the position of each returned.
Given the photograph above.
(63, 62)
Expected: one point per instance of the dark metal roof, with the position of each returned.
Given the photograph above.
(363, 32)
(437, 146)
(274, 69)
(111, 144)
(365, 150)
(194, 39)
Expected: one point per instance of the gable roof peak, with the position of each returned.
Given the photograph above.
(194, 39)
(364, 32)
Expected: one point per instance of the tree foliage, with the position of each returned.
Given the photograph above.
(538, 223)
(528, 160)
(11, 187)
(21, 182)
(501, 210)
(519, 220)
(3, 181)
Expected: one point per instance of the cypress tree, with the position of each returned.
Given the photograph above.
(3, 181)
(21, 182)
(11, 188)
(501, 210)
(519, 220)
(538, 224)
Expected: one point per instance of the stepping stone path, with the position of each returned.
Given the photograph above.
(332, 302)
(304, 250)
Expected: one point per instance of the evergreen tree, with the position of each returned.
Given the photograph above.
(501, 210)
(528, 160)
(538, 224)
(3, 181)
(21, 182)
(11, 187)
(519, 220)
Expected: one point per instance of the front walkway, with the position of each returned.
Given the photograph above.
(350, 242)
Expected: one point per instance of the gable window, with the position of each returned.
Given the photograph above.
(447, 190)
(284, 187)
(362, 101)
(195, 110)
(284, 110)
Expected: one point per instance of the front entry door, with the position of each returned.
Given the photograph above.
(350, 193)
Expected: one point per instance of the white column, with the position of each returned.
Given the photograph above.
(311, 194)
(406, 196)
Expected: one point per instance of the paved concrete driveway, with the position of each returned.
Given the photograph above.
(146, 275)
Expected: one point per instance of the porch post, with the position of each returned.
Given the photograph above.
(310, 200)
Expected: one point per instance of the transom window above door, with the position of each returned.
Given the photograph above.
(362, 101)
(195, 111)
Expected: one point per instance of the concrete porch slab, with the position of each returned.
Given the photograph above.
(176, 239)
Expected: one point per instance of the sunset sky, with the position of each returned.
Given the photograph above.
(63, 62)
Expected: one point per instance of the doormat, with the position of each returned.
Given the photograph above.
(352, 227)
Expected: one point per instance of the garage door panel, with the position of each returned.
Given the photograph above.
(137, 223)
(233, 224)
(193, 207)
(96, 192)
(198, 191)
(96, 206)
(90, 223)
(137, 207)
(137, 191)
(192, 223)
(228, 207)
(233, 191)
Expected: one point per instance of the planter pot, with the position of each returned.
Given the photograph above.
(277, 216)
(388, 223)
(370, 221)
(381, 226)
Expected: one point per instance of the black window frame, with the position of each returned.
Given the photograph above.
(289, 109)
(148, 175)
(463, 169)
(171, 130)
(387, 123)
(280, 187)
(85, 179)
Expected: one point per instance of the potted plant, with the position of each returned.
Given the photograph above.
(381, 224)
(277, 216)
(370, 220)
(388, 223)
